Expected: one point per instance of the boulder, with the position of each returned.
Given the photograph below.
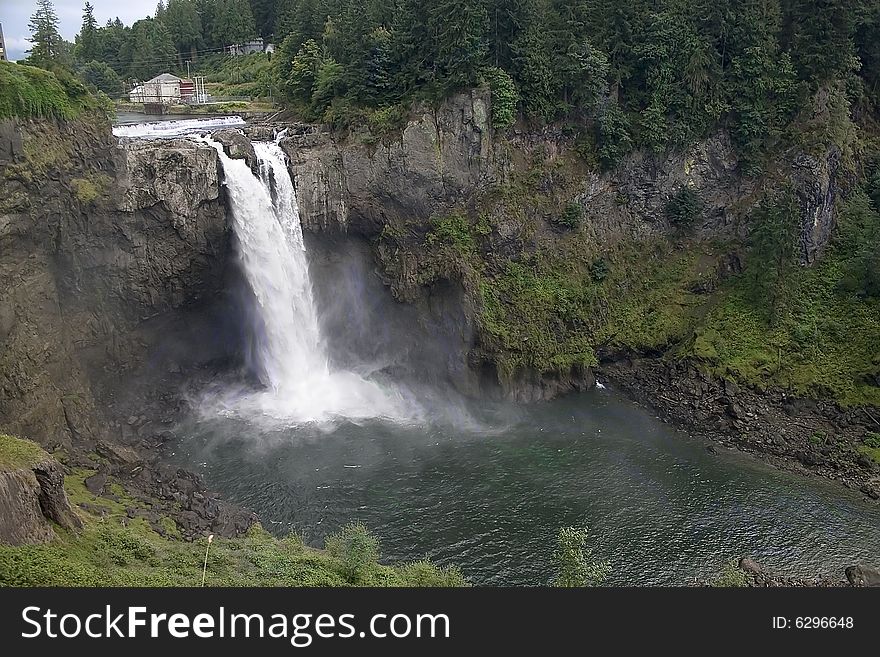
(861, 575)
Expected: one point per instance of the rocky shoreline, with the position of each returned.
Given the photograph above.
(805, 436)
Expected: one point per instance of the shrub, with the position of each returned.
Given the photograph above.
(453, 230)
(571, 216)
(731, 576)
(683, 207)
(387, 119)
(356, 548)
(504, 97)
(425, 573)
(575, 562)
(599, 270)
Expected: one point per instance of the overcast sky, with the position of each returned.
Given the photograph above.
(14, 15)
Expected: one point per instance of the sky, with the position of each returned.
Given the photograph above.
(14, 15)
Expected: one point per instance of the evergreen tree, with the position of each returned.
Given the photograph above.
(182, 19)
(113, 46)
(264, 13)
(761, 82)
(45, 39)
(87, 43)
(233, 22)
(102, 77)
(149, 49)
(458, 37)
(822, 45)
(532, 63)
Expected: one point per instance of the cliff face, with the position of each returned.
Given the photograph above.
(31, 494)
(100, 242)
(398, 193)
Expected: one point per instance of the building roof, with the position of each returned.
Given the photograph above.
(165, 77)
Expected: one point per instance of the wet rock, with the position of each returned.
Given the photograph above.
(750, 566)
(238, 146)
(863, 575)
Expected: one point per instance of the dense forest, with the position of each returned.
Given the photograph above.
(647, 73)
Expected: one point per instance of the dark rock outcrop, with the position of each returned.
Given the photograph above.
(861, 575)
(31, 498)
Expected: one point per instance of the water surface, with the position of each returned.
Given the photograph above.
(489, 493)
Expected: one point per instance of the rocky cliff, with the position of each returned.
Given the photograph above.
(113, 271)
(399, 192)
(32, 495)
(100, 243)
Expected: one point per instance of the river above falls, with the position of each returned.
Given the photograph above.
(489, 494)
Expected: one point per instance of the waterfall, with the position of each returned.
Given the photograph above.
(290, 355)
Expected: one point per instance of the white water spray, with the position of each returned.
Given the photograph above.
(291, 356)
(176, 128)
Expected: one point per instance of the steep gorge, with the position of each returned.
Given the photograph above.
(117, 281)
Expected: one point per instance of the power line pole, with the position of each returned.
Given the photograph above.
(187, 69)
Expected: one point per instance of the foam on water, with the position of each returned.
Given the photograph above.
(163, 129)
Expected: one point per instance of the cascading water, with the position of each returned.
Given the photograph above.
(290, 355)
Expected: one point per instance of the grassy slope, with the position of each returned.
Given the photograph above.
(17, 454)
(115, 550)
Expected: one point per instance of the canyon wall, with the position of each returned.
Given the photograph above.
(100, 245)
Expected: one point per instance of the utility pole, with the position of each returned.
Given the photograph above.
(187, 69)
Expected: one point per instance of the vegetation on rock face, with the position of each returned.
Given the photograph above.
(116, 549)
(17, 453)
(30, 92)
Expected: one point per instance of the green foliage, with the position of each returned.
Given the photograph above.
(859, 239)
(149, 49)
(356, 548)
(46, 42)
(871, 445)
(113, 550)
(304, 72)
(613, 135)
(87, 190)
(17, 453)
(385, 120)
(426, 574)
(87, 46)
(504, 97)
(452, 230)
(599, 270)
(773, 252)
(571, 216)
(731, 576)
(103, 78)
(26, 91)
(575, 563)
(537, 315)
(683, 207)
(822, 339)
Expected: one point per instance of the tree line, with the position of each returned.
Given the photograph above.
(644, 73)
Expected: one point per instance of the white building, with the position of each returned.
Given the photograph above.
(250, 47)
(164, 89)
(136, 95)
